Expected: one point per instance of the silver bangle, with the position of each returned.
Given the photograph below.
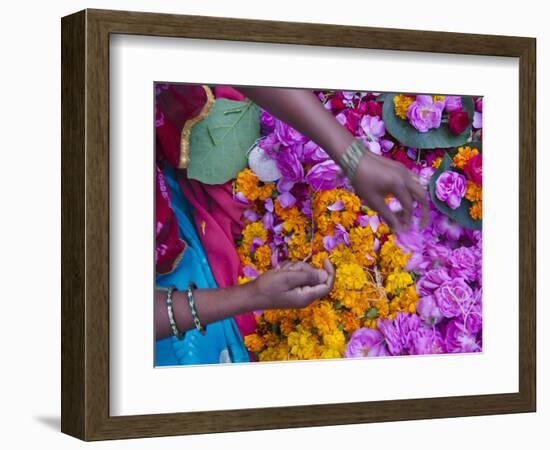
(193, 308)
(351, 157)
(170, 308)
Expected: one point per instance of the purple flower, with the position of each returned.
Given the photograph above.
(312, 153)
(478, 120)
(429, 311)
(284, 185)
(464, 263)
(454, 297)
(306, 208)
(425, 174)
(473, 318)
(268, 220)
(250, 215)
(239, 197)
(458, 339)
(400, 333)
(372, 221)
(286, 200)
(432, 280)
(426, 341)
(338, 205)
(256, 242)
(250, 272)
(287, 135)
(447, 227)
(270, 145)
(341, 236)
(453, 103)
(425, 114)
(365, 342)
(374, 129)
(386, 144)
(450, 187)
(267, 121)
(391, 336)
(324, 176)
(438, 253)
(289, 164)
(269, 205)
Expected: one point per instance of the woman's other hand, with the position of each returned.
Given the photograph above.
(293, 285)
(376, 177)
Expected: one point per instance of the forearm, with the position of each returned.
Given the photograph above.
(300, 109)
(212, 305)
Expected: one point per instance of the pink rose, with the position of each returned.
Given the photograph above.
(473, 169)
(425, 114)
(453, 297)
(453, 103)
(458, 121)
(324, 176)
(450, 187)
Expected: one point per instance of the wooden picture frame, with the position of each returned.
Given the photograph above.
(85, 224)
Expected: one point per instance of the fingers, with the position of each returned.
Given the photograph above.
(379, 205)
(404, 196)
(420, 195)
(330, 271)
(304, 296)
(299, 278)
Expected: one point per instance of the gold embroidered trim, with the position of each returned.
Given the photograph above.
(176, 261)
(186, 131)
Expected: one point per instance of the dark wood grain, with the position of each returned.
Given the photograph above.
(85, 224)
(73, 275)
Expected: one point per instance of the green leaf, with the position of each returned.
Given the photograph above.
(372, 313)
(440, 137)
(461, 214)
(219, 143)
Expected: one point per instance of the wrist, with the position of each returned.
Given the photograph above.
(351, 158)
(250, 297)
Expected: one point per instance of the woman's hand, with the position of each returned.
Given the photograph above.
(376, 177)
(293, 285)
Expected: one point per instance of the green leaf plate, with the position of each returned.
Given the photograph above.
(220, 142)
(461, 214)
(440, 137)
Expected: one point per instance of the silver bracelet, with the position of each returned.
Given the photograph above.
(193, 308)
(170, 308)
(351, 157)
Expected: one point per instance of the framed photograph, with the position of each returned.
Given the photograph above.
(272, 225)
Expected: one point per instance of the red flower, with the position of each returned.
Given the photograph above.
(373, 108)
(458, 121)
(473, 169)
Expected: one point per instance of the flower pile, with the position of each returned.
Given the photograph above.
(416, 293)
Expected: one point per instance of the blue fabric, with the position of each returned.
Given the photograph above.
(222, 341)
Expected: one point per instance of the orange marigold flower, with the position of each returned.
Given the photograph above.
(262, 256)
(254, 343)
(476, 211)
(463, 156)
(473, 191)
(401, 103)
(349, 321)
